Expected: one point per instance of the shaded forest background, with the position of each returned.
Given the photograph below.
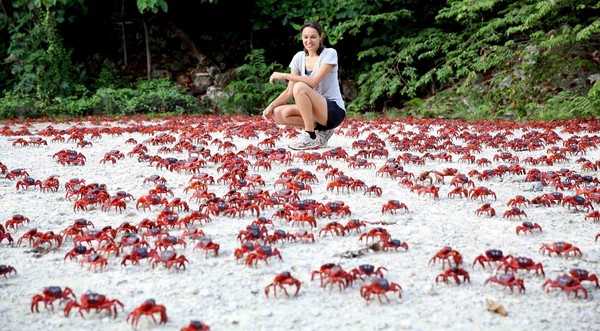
(472, 59)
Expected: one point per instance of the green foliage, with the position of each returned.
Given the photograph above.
(12, 106)
(250, 92)
(159, 96)
(40, 63)
(155, 96)
(153, 6)
(456, 58)
(108, 76)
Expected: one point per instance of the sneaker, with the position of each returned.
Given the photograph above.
(304, 141)
(324, 136)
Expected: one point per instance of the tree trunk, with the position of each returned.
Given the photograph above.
(148, 61)
(123, 33)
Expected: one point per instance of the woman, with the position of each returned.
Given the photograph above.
(318, 106)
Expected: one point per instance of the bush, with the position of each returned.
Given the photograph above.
(155, 96)
(250, 91)
(13, 105)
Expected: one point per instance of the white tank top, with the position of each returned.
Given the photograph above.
(329, 86)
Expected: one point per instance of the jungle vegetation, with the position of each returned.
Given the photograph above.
(471, 59)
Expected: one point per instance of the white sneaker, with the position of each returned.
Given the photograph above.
(304, 141)
(324, 136)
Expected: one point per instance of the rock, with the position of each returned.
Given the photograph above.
(349, 90)
(214, 93)
(161, 74)
(222, 79)
(201, 81)
(213, 71)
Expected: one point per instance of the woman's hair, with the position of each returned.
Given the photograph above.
(317, 27)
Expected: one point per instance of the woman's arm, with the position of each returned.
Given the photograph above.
(310, 81)
(282, 99)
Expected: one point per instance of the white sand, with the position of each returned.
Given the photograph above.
(229, 295)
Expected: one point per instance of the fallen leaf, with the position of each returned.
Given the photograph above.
(495, 307)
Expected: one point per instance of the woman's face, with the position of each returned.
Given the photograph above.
(311, 39)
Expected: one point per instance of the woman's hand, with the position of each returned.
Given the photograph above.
(267, 112)
(277, 76)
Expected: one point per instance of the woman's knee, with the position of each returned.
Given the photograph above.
(278, 115)
(299, 88)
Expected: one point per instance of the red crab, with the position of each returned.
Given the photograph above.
(380, 233)
(392, 205)
(520, 262)
(304, 236)
(322, 272)
(50, 184)
(280, 235)
(355, 224)
(16, 173)
(43, 238)
(5, 235)
(394, 244)
(491, 255)
(284, 278)
(333, 228)
(453, 272)
(577, 200)
(196, 326)
(26, 182)
(148, 308)
(460, 180)
(263, 252)
(528, 227)
(367, 270)
(169, 242)
(168, 259)
(517, 201)
(79, 250)
(49, 295)
(337, 275)
(373, 189)
(91, 300)
(95, 261)
(560, 248)
(460, 191)
(245, 248)
(208, 245)
(433, 190)
(486, 209)
(179, 205)
(146, 201)
(6, 270)
(252, 232)
(481, 192)
(594, 216)
(263, 221)
(137, 254)
(303, 218)
(508, 280)
(338, 208)
(445, 254)
(583, 275)
(566, 283)
(156, 179)
(379, 287)
(514, 212)
(15, 221)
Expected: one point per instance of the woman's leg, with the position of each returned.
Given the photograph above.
(288, 115)
(311, 106)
